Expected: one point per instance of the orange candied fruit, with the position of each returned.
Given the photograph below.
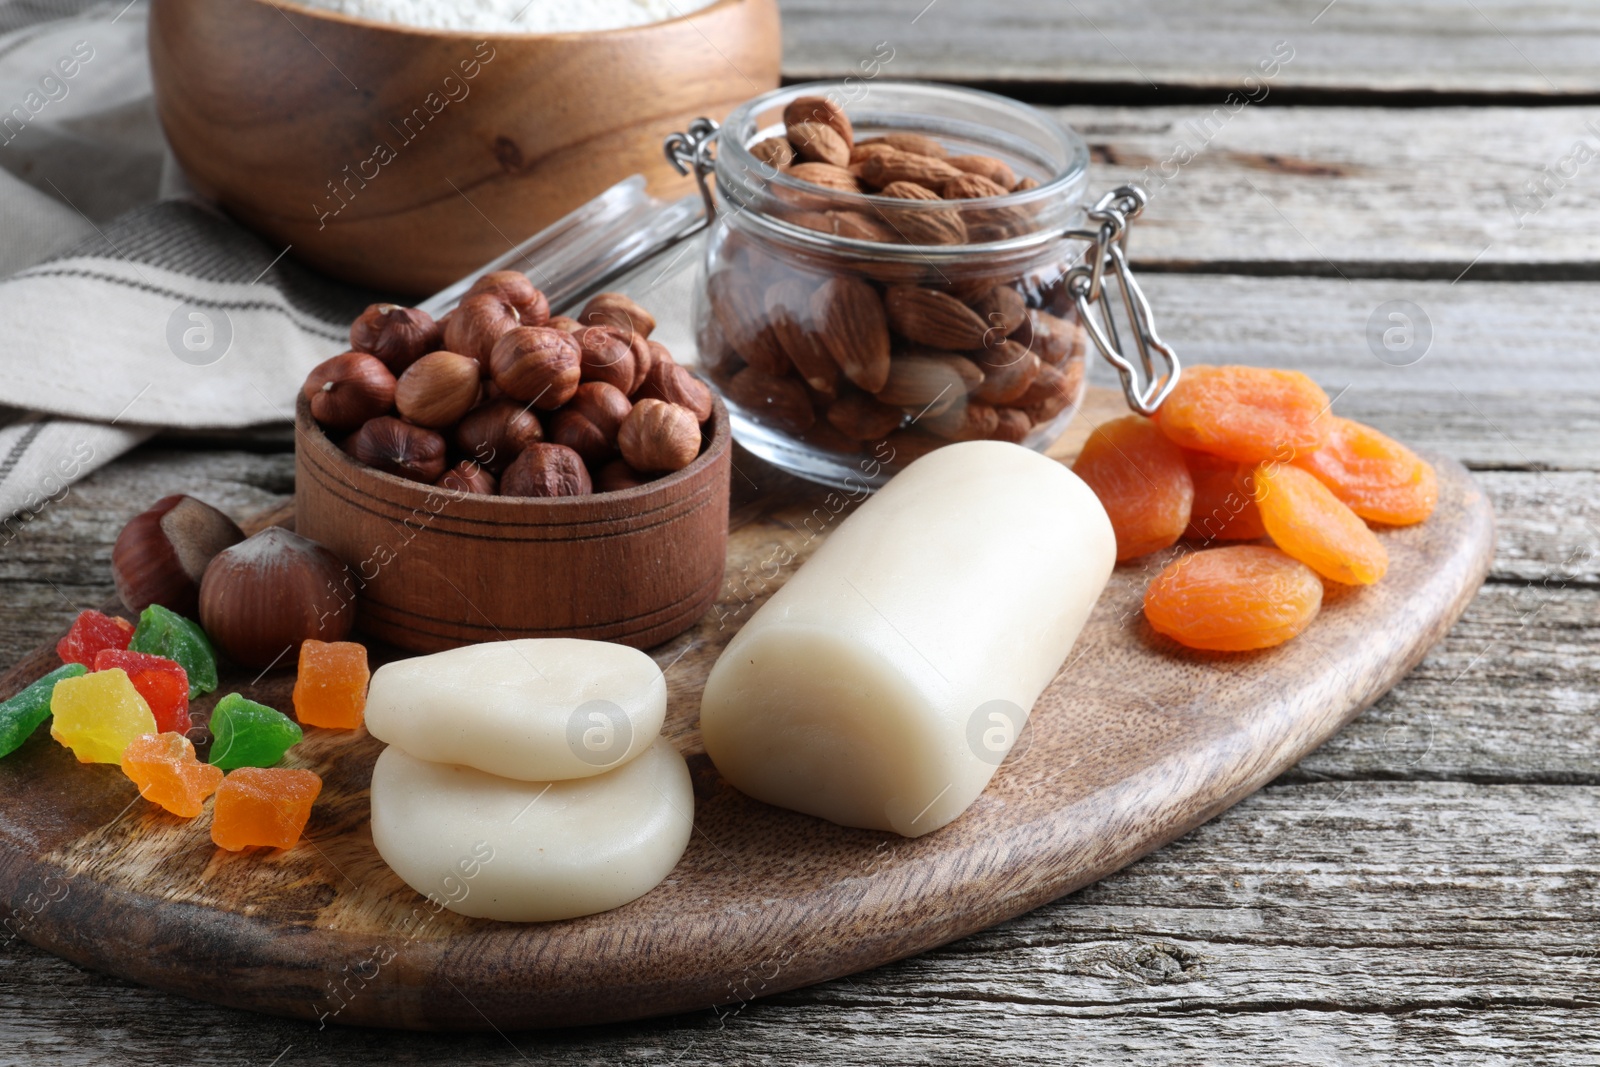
(331, 688)
(1376, 476)
(1306, 520)
(1246, 414)
(167, 773)
(266, 806)
(1141, 479)
(1224, 507)
(1233, 599)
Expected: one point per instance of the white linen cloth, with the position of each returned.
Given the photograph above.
(126, 304)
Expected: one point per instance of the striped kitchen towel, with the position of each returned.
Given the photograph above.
(122, 312)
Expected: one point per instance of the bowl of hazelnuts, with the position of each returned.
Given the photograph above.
(503, 472)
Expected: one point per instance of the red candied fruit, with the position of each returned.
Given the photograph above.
(162, 682)
(92, 631)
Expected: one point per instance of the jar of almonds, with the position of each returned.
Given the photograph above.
(886, 272)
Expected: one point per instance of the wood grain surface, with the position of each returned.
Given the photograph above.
(1135, 743)
(403, 159)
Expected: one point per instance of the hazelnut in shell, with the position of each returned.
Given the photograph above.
(659, 437)
(477, 323)
(547, 470)
(162, 553)
(349, 389)
(496, 433)
(467, 477)
(399, 336)
(399, 448)
(512, 286)
(537, 365)
(438, 389)
(261, 598)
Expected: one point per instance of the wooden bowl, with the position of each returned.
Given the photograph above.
(283, 114)
(434, 570)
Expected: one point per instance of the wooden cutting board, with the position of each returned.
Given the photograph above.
(1136, 742)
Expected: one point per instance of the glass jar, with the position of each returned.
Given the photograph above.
(850, 332)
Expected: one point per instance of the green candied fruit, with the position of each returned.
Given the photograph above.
(166, 633)
(22, 714)
(247, 734)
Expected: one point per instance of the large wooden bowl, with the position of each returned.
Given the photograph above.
(437, 570)
(344, 139)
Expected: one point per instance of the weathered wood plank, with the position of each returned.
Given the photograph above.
(1356, 191)
(1421, 46)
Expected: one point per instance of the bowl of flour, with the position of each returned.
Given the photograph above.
(401, 144)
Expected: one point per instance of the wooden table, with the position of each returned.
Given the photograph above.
(1427, 883)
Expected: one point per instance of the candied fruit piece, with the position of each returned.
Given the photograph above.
(97, 714)
(331, 687)
(1224, 508)
(247, 734)
(262, 806)
(1142, 481)
(1246, 414)
(167, 773)
(1376, 476)
(1233, 599)
(162, 682)
(22, 714)
(166, 633)
(1306, 520)
(91, 631)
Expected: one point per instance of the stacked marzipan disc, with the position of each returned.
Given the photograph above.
(527, 780)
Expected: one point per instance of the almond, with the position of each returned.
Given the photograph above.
(788, 308)
(885, 168)
(1052, 339)
(913, 142)
(1003, 308)
(859, 227)
(1013, 426)
(1024, 184)
(929, 384)
(826, 175)
(972, 421)
(1008, 371)
(815, 142)
(772, 401)
(861, 418)
(774, 152)
(736, 301)
(970, 187)
(988, 166)
(922, 226)
(864, 151)
(1052, 391)
(818, 109)
(849, 316)
(934, 318)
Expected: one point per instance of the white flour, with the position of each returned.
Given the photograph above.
(514, 16)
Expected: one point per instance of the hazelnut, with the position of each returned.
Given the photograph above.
(162, 553)
(537, 365)
(262, 597)
(399, 336)
(677, 385)
(497, 432)
(616, 476)
(658, 436)
(437, 389)
(607, 356)
(619, 311)
(589, 423)
(565, 323)
(467, 477)
(347, 390)
(659, 352)
(476, 324)
(398, 448)
(546, 470)
(514, 288)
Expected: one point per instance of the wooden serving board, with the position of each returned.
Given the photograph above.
(1136, 742)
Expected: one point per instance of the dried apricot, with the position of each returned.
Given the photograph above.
(1306, 520)
(1233, 599)
(1246, 414)
(1142, 480)
(1224, 508)
(1376, 476)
